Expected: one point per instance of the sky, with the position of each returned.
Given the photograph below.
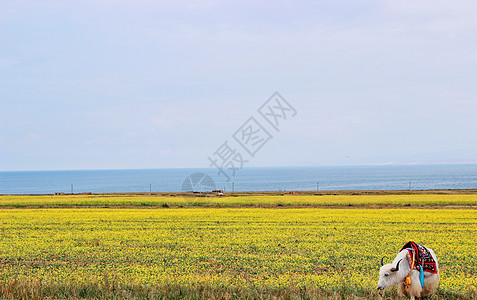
(164, 84)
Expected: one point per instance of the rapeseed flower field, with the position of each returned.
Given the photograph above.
(233, 200)
(250, 248)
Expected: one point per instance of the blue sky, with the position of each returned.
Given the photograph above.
(162, 84)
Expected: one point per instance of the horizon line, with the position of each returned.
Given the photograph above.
(283, 166)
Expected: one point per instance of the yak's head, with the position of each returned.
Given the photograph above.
(388, 275)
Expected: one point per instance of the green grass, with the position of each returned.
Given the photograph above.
(285, 200)
(44, 290)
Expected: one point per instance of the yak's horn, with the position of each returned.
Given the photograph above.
(397, 267)
(382, 261)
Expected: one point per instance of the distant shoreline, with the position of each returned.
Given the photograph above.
(270, 193)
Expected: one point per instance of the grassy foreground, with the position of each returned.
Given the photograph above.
(253, 200)
(233, 253)
(112, 290)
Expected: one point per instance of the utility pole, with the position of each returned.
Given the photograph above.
(317, 185)
(233, 187)
(72, 188)
(409, 185)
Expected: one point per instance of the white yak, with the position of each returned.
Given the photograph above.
(409, 282)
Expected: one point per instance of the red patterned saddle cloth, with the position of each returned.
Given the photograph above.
(423, 257)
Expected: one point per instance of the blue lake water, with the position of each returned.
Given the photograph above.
(387, 177)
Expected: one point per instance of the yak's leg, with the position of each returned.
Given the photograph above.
(432, 282)
(401, 289)
(415, 289)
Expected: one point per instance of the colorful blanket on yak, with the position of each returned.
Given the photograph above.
(423, 257)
